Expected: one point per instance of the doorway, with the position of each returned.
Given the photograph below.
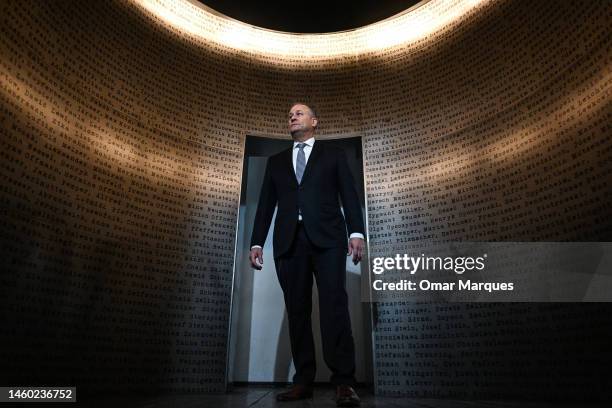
(259, 349)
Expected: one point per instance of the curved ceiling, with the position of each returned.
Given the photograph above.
(312, 16)
(196, 20)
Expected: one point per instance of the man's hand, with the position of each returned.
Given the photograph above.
(355, 248)
(256, 258)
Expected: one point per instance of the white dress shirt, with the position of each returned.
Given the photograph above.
(307, 150)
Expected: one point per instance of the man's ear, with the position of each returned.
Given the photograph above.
(315, 122)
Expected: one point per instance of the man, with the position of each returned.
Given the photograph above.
(310, 237)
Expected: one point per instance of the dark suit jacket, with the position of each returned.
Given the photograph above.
(326, 177)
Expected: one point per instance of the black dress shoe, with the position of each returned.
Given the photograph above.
(346, 396)
(296, 392)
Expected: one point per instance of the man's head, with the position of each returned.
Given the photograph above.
(302, 121)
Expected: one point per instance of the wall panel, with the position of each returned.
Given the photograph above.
(121, 162)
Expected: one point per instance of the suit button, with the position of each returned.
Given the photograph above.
(300, 188)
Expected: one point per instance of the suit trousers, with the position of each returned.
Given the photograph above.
(295, 270)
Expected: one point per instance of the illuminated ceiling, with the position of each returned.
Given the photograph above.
(200, 22)
(312, 16)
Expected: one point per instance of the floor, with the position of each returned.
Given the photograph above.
(264, 397)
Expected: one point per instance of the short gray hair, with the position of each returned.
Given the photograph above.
(313, 111)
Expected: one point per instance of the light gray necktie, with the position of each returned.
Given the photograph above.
(300, 163)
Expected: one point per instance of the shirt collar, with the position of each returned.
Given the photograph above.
(310, 142)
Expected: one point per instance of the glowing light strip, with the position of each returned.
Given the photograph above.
(209, 26)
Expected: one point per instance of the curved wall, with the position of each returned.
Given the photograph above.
(123, 127)
(497, 130)
(122, 158)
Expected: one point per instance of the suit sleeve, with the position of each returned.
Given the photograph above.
(349, 196)
(265, 208)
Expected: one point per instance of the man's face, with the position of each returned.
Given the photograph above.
(301, 122)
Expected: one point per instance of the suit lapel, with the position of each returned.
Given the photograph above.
(288, 164)
(316, 152)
